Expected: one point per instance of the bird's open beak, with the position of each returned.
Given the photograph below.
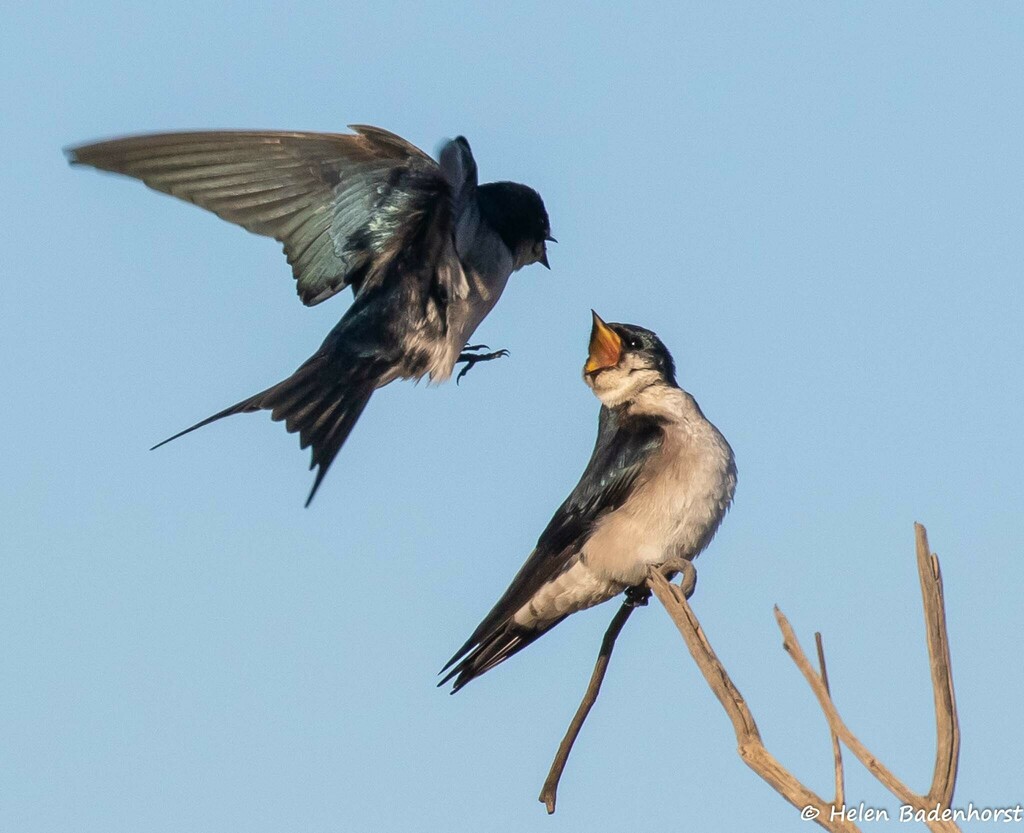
(605, 347)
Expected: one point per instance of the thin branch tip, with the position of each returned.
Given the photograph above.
(549, 792)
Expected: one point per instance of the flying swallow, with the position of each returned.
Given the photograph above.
(426, 251)
(657, 486)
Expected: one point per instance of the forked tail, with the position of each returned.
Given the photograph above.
(321, 401)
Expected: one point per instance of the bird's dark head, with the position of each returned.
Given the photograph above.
(516, 212)
(623, 360)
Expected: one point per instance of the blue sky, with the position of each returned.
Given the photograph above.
(817, 206)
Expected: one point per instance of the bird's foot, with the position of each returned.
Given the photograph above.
(470, 356)
(638, 595)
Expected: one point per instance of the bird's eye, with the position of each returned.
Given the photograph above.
(634, 343)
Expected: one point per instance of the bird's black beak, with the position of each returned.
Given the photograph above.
(544, 257)
(605, 347)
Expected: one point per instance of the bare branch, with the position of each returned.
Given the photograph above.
(548, 793)
(940, 795)
(947, 726)
(837, 752)
(751, 748)
(831, 816)
(635, 597)
(871, 763)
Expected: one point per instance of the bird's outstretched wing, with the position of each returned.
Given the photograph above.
(623, 445)
(336, 201)
(391, 330)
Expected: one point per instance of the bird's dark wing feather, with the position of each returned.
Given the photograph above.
(623, 445)
(380, 337)
(459, 168)
(334, 200)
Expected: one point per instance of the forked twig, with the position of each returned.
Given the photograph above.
(947, 725)
(830, 815)
(751, 748)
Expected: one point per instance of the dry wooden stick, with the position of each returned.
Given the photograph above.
(831, 816)
(751, 749)
(882, 773)
(548, 793)
(947, 726)
(837, 752)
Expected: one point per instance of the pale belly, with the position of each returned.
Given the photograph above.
(657, 524)
(674, 514)
(575, 589)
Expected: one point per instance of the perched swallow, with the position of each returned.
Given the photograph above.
(657, 486)
(426, 251)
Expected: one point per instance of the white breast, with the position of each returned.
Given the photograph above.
(677, 505)
(675, 509)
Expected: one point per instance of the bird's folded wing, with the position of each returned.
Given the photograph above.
(335, 201)
(618, 459)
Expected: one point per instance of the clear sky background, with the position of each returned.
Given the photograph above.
(817, 206)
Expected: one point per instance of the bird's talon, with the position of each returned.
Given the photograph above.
(638, 595)
(472, 358)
